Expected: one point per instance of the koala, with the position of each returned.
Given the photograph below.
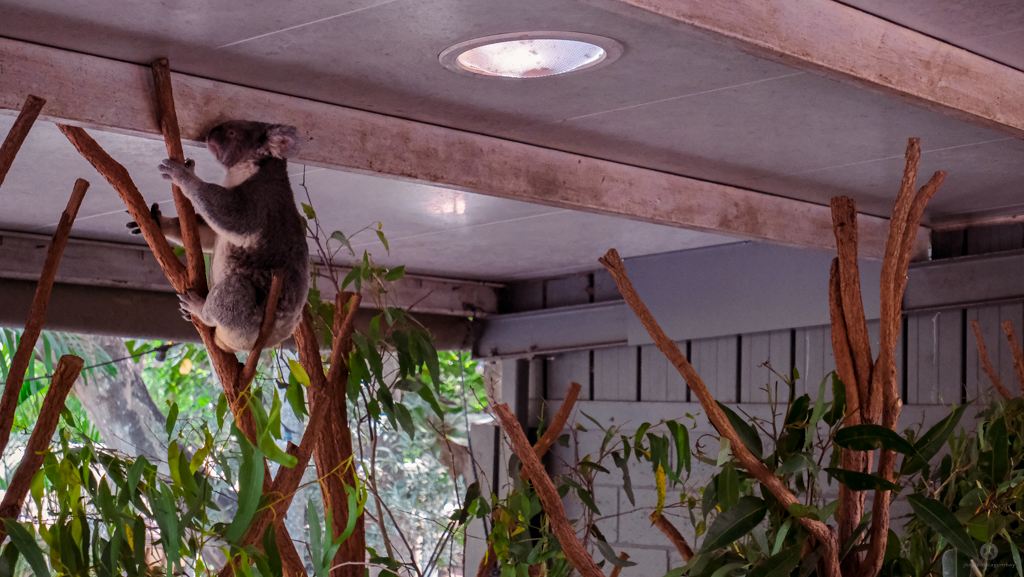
(252, 226)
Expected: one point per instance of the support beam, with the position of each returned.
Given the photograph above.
(109, 264)
(78, 87)
(965, 281)
(840, 42)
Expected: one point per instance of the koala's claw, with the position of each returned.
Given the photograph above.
(178, 173)
(154, 212)
(191, 304)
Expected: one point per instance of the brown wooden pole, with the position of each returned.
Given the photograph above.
(119, 178)
(266, 327)
(16, 135)
(616, 570)
(68, 369)
(167, 118)
(37, 313)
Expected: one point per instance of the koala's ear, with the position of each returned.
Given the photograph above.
(282, 141)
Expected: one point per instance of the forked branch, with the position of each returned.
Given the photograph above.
(673, 534)
(16, 135)
(986, 363)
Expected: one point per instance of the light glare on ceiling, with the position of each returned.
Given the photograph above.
(530, 54)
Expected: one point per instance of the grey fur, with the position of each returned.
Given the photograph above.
(258, 229)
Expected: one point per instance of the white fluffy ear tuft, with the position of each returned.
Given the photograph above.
(282, 141)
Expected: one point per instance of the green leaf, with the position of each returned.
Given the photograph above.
(681, 437)
(383, 241)
(932, 441)
(857, 481)
(955, 564)
(739, 520)
(172, 418)
(250, 480)
(298, 372)
(587, 499)
(780, 537)
(871, 437)
(395, 273)
(747, 433)
(9, 558)
(728, 487)
(627, 485)
(796, 464)
(1000, 450)
(1014, 552)
(722, 571)
(941, 519)
(25, 543)
(340, 237)
(781, 564)
(308, 210)
(838, 410)
(806, 511)
(296, 400)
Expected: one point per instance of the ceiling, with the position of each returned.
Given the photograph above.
(676, 101)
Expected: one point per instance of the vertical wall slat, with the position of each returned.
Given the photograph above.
(615, 374)
(653, 374)
(675, 386)
(565, 368)
(704, 358)
(727, 366)
(948, 362)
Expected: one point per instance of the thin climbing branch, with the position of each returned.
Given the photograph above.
(266, 327)
(64, 376)
(549, 499)
(986, 363)
(747, 460)
(554, 430)
(37, 313)
(16, 135)
(167, 118)
(1018, 357)
(844, 224)
(673, 534)
(119, 178)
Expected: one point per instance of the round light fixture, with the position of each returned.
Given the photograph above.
(531, 54)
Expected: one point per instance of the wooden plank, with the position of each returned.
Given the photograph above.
(77, 88)
(949, 342)
(97, 263)
(845, 44)
(615, 374)
(653, 374)
(923, 385)
(566, 368)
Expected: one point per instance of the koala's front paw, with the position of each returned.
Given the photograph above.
(191, 304)
(179, 174)
(154, 213)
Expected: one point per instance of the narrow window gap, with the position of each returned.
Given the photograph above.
(639, 371)
(739, 367)
(689, 351)
(544, 379)
(904, 379)
(792, 363)
(495, 482)
(590, 286)
(963, 356)
(544, 294)
(591, 376)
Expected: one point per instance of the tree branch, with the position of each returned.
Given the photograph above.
(20, 129)
(1018, 357)
(549, 499)
(167, 118)
(37, 313)
(119, 178)
(673, 534)
(986, 363)
(67, 370)
(752, 464)
(616, 570)
(266, 327)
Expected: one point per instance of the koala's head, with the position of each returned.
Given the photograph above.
(238, 141)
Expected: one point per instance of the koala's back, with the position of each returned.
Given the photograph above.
(273, 239)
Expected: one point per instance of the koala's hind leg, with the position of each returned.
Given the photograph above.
(235, 309)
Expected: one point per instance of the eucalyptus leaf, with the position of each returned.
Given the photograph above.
(739, 520)
(746, 433)
(941, 519)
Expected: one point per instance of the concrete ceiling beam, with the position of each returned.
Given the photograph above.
(111, 95)
(843, 43)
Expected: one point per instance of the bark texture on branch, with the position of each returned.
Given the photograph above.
(249, 369)
(64, 375)
(37, 314)
(119, 178)
(673, 534)
(167, 118)
(1018, 356)
(747, 460)
(986, 363)
(549, 499)
(16, 135)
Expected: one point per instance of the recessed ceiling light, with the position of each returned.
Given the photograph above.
(531, 54)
